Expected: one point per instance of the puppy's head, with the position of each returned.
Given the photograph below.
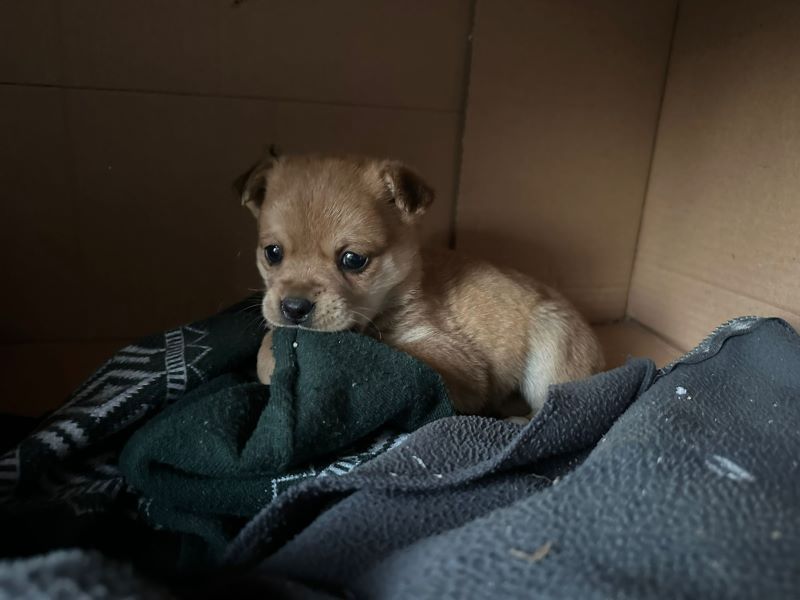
(336, 237)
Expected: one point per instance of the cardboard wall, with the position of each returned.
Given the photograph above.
(720, 236)
(124, 124)
(562, 112)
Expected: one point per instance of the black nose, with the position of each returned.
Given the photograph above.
(296, 310)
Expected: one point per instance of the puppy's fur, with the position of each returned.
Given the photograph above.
(495, 336)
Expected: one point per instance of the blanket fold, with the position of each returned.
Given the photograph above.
(632, 484)
(211, 459)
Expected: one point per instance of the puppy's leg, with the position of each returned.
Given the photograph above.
(561, 348)
(265, 364)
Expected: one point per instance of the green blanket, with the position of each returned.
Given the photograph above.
(208, 462)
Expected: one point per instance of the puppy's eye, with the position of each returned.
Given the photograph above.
(273, 254)
(350, 261)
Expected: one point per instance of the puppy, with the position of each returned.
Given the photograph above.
(338, 250)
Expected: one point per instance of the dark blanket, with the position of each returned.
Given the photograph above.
(61, 486)
(683, 483)
(216, 457)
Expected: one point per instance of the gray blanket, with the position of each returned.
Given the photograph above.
(74, 575)
(683, 483)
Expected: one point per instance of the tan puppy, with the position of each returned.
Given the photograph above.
(338, 250)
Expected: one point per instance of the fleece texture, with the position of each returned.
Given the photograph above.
(683, 483)
(74, 575)
(208, 462)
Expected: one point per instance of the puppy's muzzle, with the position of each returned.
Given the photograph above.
(296, 310)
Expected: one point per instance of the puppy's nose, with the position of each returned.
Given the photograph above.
(296, 310)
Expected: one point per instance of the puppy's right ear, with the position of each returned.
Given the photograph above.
(251, 186)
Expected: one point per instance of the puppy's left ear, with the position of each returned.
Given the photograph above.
(406, 190)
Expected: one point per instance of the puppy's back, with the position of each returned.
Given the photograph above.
(529, 334)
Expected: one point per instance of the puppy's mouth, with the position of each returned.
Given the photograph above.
(323, 316)
(353, 326)
(311, 325)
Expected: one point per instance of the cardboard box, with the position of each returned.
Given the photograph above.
(642, 157)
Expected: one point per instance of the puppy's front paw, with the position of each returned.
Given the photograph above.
(266, 360)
